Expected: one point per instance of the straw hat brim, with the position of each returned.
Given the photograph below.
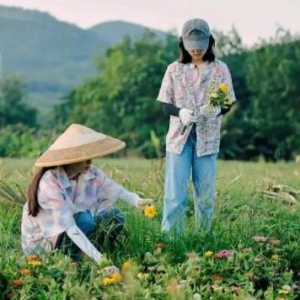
(80, 153)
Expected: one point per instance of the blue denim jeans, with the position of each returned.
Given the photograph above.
(106, 226)
(179, 167)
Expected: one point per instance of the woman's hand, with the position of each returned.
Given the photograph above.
(111, 270)
(142, 203)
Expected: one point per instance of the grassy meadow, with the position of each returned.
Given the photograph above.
(252, 251)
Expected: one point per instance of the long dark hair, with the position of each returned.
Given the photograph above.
(33, 205)
(209, 55)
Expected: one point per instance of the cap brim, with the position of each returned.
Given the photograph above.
(195, 45)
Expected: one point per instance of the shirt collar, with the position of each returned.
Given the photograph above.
(64, 180)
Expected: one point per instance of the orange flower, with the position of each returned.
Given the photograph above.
(32, 257)
(16, 283)
(216, 277)
(25, 272)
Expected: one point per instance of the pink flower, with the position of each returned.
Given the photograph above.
(224, 254)
(260, 238)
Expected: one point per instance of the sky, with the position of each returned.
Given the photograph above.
(253, 19)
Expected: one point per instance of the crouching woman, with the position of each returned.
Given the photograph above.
(69, 198)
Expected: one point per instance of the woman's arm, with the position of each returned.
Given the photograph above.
(170, 109)
(82, 242)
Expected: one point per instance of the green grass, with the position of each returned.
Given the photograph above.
(240, 214)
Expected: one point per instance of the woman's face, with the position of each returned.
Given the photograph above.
(197, 54)
(77, 168)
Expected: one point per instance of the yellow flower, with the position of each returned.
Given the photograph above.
(143, 276)
(208, 254)
(150, 211)
(126, 265)
(224, 88)
(35, 263)
(115, 277)
(275, 257)
(283, 292)
(228, 101)
(107, 281)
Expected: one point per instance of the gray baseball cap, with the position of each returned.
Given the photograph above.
(195, 34)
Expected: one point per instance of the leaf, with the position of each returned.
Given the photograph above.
(8, 194)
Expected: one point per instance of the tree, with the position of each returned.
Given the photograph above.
(121, 100)
(13, 109)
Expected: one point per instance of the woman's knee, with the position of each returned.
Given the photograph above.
(85, 221)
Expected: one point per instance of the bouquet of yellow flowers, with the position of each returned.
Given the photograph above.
(220, 97)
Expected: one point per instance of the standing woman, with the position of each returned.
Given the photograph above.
(69, 198)
(193, 139)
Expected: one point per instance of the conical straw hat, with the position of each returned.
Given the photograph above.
(78, 143)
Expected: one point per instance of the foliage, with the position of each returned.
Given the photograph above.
(251, 253)
(121, 101)
(20, 141)
(13, 108)
(266, 122)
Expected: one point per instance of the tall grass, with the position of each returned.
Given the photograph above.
(241, 212)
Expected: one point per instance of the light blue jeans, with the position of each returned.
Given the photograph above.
(179, 167)
(106, 225)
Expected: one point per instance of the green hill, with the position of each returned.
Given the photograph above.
(112, 32)
(53, 56)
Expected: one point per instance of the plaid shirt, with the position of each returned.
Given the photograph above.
(178, 88)
(59, 200)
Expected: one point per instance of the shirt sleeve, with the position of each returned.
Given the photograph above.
(54, 216)
(108, 191)
(166, 93)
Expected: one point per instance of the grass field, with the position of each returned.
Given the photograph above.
(252, 251)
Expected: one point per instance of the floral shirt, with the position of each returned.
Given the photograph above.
(178, 88)
(59, 200)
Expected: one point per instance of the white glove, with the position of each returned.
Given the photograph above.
(187, 117)
(111, 270)
(142, 203)
(208, 111)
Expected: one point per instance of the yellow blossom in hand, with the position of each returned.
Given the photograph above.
(107, 281)
(208, 254)
(150, 211)
(224, 88)
(115, 277)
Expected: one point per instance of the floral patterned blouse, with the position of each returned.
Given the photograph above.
(178, 88)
